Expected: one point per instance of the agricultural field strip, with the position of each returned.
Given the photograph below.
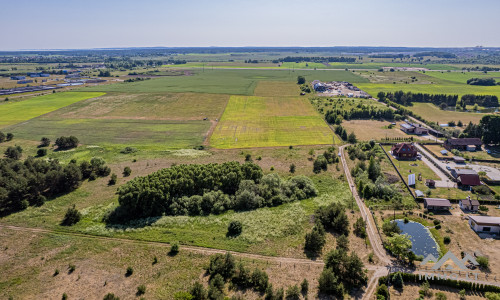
(16, 112)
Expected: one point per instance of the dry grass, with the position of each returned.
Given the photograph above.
(411, 292)
(366, 130)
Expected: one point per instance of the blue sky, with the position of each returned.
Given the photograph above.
(56, 24)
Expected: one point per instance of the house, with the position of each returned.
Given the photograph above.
(469, 144)
(430, 183)
(466, 177)
(437, 204)
(418, 128)
(436, 133)
(459, 160)
(469, 204)
(485, 224)
(407, 128)
(404, 151)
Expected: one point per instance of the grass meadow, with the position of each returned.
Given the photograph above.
(433, 113)
(462, 77)
(269, 121)
(220, 81)
(15, 112)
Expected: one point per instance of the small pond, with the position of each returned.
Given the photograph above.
(421, 238)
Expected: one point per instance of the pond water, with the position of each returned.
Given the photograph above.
(421, 238)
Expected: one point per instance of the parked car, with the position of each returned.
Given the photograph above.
(448, 167)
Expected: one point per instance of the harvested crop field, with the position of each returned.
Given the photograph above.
(269, 121)
(367, 130)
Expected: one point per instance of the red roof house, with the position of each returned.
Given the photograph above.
(404, 151)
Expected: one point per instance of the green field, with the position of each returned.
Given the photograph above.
(219, 81)
(462, 77)
(268, 121)
(433, 113)
(15, 112)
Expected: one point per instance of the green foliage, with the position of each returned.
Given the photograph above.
(234, 229)
(174, 249)
(425, 290)
(205, 189)
(492, 296)
(111, 296)
(292, 168)
(66, 142)
(360, 228)
(141, 290)
(370, 257)
(71, 217)
(41, 152)
(462, 294)
(348, 268)
(129, 271)
(127, 171)
(333, 217)
(71, 268)
(113, 179)
(315, 240)
(343, 243)
(329, 284)
(301, 79)
(440, 296)
(304, 287)
(56, 272)
(320, 164)
(397, 280)
(446, 239)
(482, 81)
(128, 150)
(383, 291)
(260, 280)
(399, 245)
(14, 152)
(293, 293)
(390, 228)
(198, 291)
(64, 296)
(483, 262)
(351, 138)
(9, 137)
(223, 265)
(2, 137)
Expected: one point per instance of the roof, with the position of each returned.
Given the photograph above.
(458, 158)
(430, 181)
(486, 220)
(443, 151)
(470, 202)
(465, 142)
(406, 126)
(419, 193)
(437, 202)
(469, 179)
(466, 172)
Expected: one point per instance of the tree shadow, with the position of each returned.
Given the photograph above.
(120, 219)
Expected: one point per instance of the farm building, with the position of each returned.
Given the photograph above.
(435, 133)
(437, 204)
(469, 204)
(466, 177)
(404, 151)
(414, 128)
(17, 77)
(469, 144)
(406, 128)
(25, 81)
(419, 194)
(485, 224)
(459, 160)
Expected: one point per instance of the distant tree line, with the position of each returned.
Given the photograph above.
(406, 98)
(30, 182)
(317, 59)
(438, 54)
(205, 189)
(482, 81)
(387, 55)
(362, 112)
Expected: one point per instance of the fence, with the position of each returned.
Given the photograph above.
(400, 176)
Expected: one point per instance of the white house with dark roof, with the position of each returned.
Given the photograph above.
(485, 224)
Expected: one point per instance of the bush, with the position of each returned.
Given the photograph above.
(425, 290)
(9, 136)
(304, 287)
(320, 164)
(438, 226)
(440, 296)
(129, 272)
(436, 222)
(71, 217)
(41, 152)
(260, 280)
(127, 171)
(14, 152)
(234, 228)
(113, 179)
(397, 280)
(370, 257)
(71, 268)
(223, 265)
(174, 249)
(383, 291)
(66, 142)
(64, 296)
(483, 262)
(301, 80)
(111, 296)
(329, 284)
(360, 228)
(198, 291)
(128, 150)
(56, 272)
(141, 290)
(390, 228)
(315, 240)
(292, 168)
(406, 220)
(492, 296)
(446, 239)
(333, 217)
(293, 293)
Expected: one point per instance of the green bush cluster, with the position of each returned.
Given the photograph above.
(211, 188)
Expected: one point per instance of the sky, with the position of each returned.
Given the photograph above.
(57, 24)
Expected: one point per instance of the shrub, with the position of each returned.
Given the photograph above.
(9, 136)
(234, 228)
(14, 152)
(2, 137)
(436, 222)
(198, 291)
(155, 260)
(71, 217)
(320, 164)
(304, 287)
(64, 296)
(260, 280)
(315, 240)
(113, 179)
(425, 289)
(293, 293)
(333, 217)
(41, 152)
(438, 226)
(223, 265)
(174, 249)
(462, 294)
(248, 157)
(56, 272)
(127, 171)
(440, 296)
(292, 168)
(390, 228)
(406, 220)
(128, 150)
(71, 268)
(383, 291)
(492, 296)
(66, 142)
(111, 296)
(360, 228)
(129, 272)
(483, 262)
(370, 257)
(446, 239)
(141, 290)
(329, 283)
(397, 280)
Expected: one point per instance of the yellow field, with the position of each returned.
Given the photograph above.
(269, 121)
(276, 89)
